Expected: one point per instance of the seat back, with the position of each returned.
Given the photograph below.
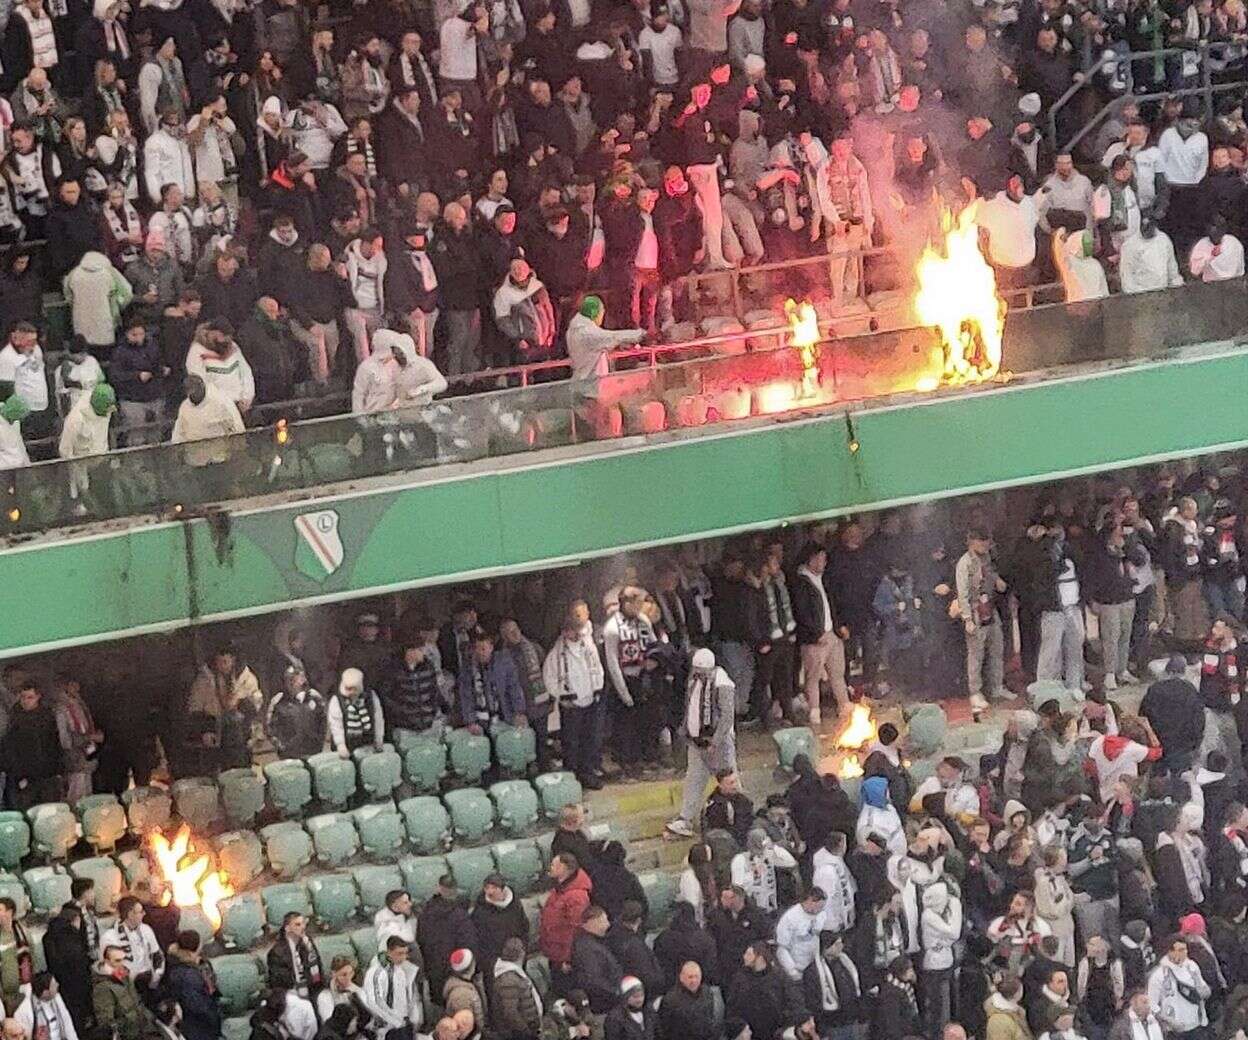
(424, 764)
(516, 805)
(239, 981)
(288, 848)
(103, 820)
(420, 875)
(283, 898)
(469, 755)
(53, 828)
(428, 824)
(147, 809)
(49, 888)
(14, 839)
(515, 749)
(240, 855)
(333, 837)
(331, 946)
(557, 790)
(520, 862)
(12, 887)
(470, 868)
(108, 879)
(242, 920)
(374, 882)
(333, 779)
(134, 867)
(365, 942)
(290, 786)
(472, 813)
(380, 828)
(335, 900)
(380, 771)
(660, 892)
(794, 741)
(242, 796)
(198, 801)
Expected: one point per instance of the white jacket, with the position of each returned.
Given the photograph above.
(589, 345)
(84, 432)
(1229, 263)
(337, 729)
(940, 925)
(832, 876)
(797, 939)
(406, 1004)
(380, 383)
(367, 276)
(299, 1017)
(141, 948)
(13, 453)
(26, 373)
(48, 1009)
(1177, 1014)
(387, 923)
(573, 671)
(167, 160)
(1148, 263)
(230, 376)
(96, 292)
(215, 416)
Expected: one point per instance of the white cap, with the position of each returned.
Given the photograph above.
(352, 679)
(1029, 104)
(703, 660)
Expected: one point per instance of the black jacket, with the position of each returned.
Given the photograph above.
(733, 814)
(281, 965)
(128, 362)
(767, 1000)
(445, 926)
(495, 925)
(635, 957)
(234, 299)
(277, 359)
(317, 297)
(401, 148)
(819, 806)
(732, 933)
(72, 232)
(808, 611)
(31, 747)
(596, 971)
(895, 1013)
(688, 1016)
(1105, 571)
(297, 728)
(686, 942)
(848, 996)
(410, 697)
(69, 960)
(457, 262)
(1175, 711)
(620, 1024)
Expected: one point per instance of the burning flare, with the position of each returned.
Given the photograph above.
(188, 874)
(849, 768)
(804, 330)
(859, 731)
(958, 295)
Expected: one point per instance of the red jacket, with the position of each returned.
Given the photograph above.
(561, 918)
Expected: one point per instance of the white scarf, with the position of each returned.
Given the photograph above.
(827, 981)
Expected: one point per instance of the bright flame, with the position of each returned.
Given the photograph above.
(849, 768)
(189, 874)
(859, 731)
(804, 333)
(958, 295)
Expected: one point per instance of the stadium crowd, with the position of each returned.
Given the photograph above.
(246, 202)
(1087, 879)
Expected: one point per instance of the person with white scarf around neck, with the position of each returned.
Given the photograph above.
(709, 725)
(830, 873)
(1180, 1010)
(798, 933)
(43, 1009)
(940, 927)
(1138, 1022)
(832, 987)
(1055, 902)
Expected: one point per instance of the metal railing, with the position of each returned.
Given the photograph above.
(1206, 90)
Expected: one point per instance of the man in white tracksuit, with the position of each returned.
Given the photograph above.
(589, 343)
(710, 714)
(798, 931)
(1147, 261)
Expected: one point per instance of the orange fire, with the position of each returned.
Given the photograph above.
(189, 875)
(849, 768)
(958, 295)
(859, 731)
(805, 336)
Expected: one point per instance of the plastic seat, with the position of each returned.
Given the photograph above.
(604, 832)
(424, 764)
(241, 856)
(520, 862)
(288, 848)
(48, 887)
(53, 828)
(333, 837)
(109, 883)
(239, 981)
(281, 899)
(428, 824)
(331, 946)
(236, 1028)
(420, 875)
(557, 790)
(147, 809)
(545, 845)
(134, 867)
(334, 900)
(469, 755)
(242, 920)
(290, 786)
(12, 887)
(380, 771)
(333, 779)
(103, 820)
(470, 868)
(380, 828)
(660, 892)
(472, 813)
(516, 806)
(794, 741)
(242, 796)
(374, 882)
(198, 801)
(515, 750)
(365, 942)
(14, 839)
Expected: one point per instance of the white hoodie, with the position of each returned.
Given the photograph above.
(1148, 263)
(589, 345)
(230, 375)
(573, 671)
(387, 923)
(940, 925)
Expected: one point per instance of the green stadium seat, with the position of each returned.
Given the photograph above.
(14, 839)
(242, 920)
(470, 868)
(109, 882)
(428, 824)
(198, 802)
(545, 845)
(537, 968)
(380, 771)
(240, 855)
(381, 830)
(557, 790)
(532, 907)
(333, 779)
(424, 764)
(333, 837)
(515, 805)
(103, 821)
(237, 1028)
(287, 846)
(420, 875)
(290, 786)
(520, 862)
(374, 882)
(515, 749)
(469, 755)
(281, 899)
(365, 942)
(794, 741)
(12, 887)
(331, 946)
(147, 809)
(240, 981)
(472, 813)
(134, 866)
(242, 796)
(604, 832)
(334, 900)
(48, 887)
(53, 828)
(660, 892)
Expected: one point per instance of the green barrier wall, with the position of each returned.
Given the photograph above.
(664, 490)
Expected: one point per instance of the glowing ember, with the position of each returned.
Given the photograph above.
(958, 295)
(849, 768)
(859, 731)
(188, 874)
(804, 330)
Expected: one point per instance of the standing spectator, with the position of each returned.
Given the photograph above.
(594, 967)
(190, 982)
(979, 585)
(354, 716)
(80, 738)
(489, 688)
(142, 956)
(115, 999)
(30, 751)
(634, 1017)
(1218, 256)
(820, 638)
(1010, 219)
(687, 1010)
(445, 926)
(1178, 992)
(393, 985)
(44, 1011)
(573, 674)
(69, 955)
(515, 1005)
(457, 263)
(1147, 261)
(294, 962)
(141, 381)
(499, 918)
(410, 694)
(561, 917)
(296, 716)
(798, 933)
(97, 294)
(708, 719)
